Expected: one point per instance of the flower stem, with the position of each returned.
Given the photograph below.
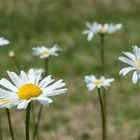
(41, 107)
(102, 53)
(27, 122)
(46, 66)
(104, 98)
(103, 115)
(10, 124)
(37, 123)
(0, 131)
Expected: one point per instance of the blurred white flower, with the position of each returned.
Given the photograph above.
(45, 52)
(38, 70)
(7, 103)
(27, 88)
(92, 82)
(3, 41)
(132, 59)
(94, 28)
(11, 54)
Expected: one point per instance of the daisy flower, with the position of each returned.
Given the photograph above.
(92, 82)
(94, 28)
(3, 41)
(26, 88)
(133, 62)
(7, 103)
(45, 52)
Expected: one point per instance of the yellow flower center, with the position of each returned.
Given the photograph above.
(138, 64)
(46, 52)
(4, 101)
(28, 91)
(98, 82)
(103, 29)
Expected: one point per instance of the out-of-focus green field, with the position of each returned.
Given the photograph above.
(76, 115)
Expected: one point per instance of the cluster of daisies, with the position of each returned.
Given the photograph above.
(131, 59)
(26, 87)
(30, 86)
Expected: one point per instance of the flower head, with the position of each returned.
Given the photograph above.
(7, 103)
(3, 41)
(92, 82)
(11, 54)
(133, 60)
(28, 87)
(94, 28)
(45, 52)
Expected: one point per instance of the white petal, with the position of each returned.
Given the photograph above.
(55, 92)
(16, 80)
(23, 104)
(7, 94)
(46, 81)
(126, 70)
(5, 83)
(24, 77)
(45, 101)
(90, 36)
(127, 61)
(131, 56)
(56, 85)
(135, 77)
(31, 76)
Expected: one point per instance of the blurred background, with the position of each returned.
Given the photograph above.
(75, 115)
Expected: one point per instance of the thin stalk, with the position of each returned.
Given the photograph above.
(41, 107)
(102, 53)
(10, 124)
(27, 122)
(37, 123)
(103, 115)
(1, 138)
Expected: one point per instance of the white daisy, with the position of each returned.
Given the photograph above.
(26, 88)
(45, 52)
(3, 41)
(94, 28)
(132, 59)
(7, 103)
(92, 82)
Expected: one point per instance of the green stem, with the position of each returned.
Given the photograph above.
(102, 53)
(0, 131)
(41, 107)
(104, 98)
(27, 122)
(10, 124)
(37, 123)
(46, 66)
(103, 115)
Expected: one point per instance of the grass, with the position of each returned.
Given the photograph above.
(31, 23)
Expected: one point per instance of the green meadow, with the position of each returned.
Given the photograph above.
(76, 114)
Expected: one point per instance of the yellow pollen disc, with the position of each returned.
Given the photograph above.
(98, 82)
(102, 29)
(4, 101)
(28, 91)
(46, 52)
(138, 64)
